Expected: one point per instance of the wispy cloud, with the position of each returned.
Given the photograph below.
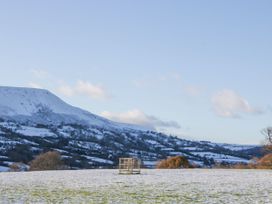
(92, 90)
(227, 103)
(34, 85)
(66, 90)
(138, 117)
(84, 88)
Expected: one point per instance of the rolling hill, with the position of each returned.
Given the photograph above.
(34, 120)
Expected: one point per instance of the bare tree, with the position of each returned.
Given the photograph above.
(267, 132)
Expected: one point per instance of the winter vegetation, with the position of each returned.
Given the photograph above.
(135, 102)
(176, 162)
(152, 186)
(264, 162)
(47, 161)
(40, 133)
(35, 121)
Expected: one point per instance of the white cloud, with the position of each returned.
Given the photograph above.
(66, 90)
(140, 118)
(227, 103)
(94, 91)
(84, 88)
(34, 85)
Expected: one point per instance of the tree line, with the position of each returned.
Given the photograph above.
(52, 160)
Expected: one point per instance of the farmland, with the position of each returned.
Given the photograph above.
(152, 186)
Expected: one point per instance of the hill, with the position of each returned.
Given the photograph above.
(34, 120)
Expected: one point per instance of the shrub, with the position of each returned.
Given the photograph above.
(265, 162)
(18, 166)
(173, 163)
(47, 161)
(242, 166)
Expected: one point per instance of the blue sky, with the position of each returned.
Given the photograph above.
(197, 69)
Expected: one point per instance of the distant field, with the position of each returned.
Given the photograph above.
(152, 186)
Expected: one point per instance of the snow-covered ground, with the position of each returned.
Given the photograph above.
(4, 169)
(38, 132)
(221, 157)
(235, 147)
(152, 186)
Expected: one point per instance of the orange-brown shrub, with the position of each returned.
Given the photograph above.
(265, 162)
(47, 161)
(242, 166)
(173, 163)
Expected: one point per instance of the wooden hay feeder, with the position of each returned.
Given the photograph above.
(129, 166)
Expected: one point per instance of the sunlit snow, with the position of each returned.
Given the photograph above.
(152, 186)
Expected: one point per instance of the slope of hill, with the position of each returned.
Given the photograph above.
(35, 120)
(41, 106)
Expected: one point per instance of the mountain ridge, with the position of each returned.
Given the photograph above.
(36, 120)
(25, 102)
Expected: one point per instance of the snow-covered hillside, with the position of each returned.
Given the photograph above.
(35, 120)
(38, 105)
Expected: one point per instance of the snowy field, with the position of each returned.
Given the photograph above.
(152, 186)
